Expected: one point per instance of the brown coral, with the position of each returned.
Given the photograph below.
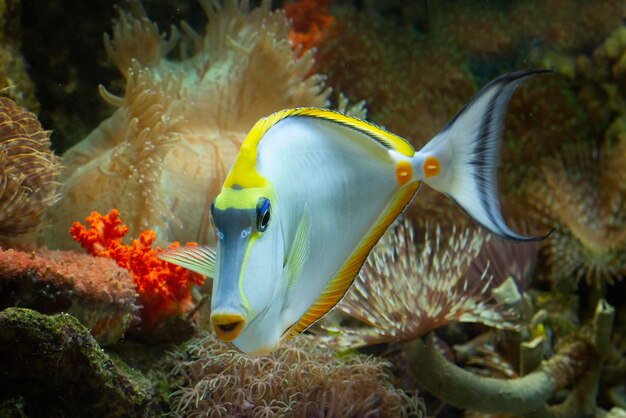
(163, 155)
(28, 169)
(94, 290)
(303, 378)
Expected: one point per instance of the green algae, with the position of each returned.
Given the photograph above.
(57, 368)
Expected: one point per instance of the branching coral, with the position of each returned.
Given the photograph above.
(28, 169)
(163, 288)
(303, 378)
(163, 155)
(309, 18)
(94, 290)
(404, 294)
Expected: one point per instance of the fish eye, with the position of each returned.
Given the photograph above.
(263, 209)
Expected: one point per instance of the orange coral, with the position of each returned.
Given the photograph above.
(309, 18)
(163, 288)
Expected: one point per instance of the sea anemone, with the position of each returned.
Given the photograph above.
(28, 169)
(303, 378)
(402, 294)
(163, 155)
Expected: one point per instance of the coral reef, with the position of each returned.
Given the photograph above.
(95, 291)
(163, 288)
(541, 342)
(303, 378)
(28, 170)
(162, 156)
(68, 374)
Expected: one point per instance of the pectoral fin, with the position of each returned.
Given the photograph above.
(300, 250)
(200, 258)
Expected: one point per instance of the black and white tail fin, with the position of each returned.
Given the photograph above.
(466, 154)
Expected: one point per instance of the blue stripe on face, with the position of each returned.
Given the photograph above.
(234, 231)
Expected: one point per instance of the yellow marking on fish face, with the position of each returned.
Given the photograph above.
(247, 198)
(244, 173)
(431, 166)
(246, 304)
(244, 198)
(404, 173)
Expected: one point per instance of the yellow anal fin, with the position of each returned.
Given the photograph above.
(339, 285)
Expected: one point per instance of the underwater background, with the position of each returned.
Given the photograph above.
(119, 121)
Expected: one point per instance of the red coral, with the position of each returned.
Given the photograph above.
(309, 19)
(163, 288)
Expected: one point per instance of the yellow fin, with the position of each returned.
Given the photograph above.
(386, 139)
(244, 173)
(339, 285)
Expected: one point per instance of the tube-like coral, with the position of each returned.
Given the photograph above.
(28, 169)
(580, 356)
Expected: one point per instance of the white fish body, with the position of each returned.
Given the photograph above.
(310, 194)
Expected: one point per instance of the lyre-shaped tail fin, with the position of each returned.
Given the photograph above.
(468, 150)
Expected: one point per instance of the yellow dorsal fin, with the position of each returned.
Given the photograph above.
(339, 285)
(386, 139)
(244, 171)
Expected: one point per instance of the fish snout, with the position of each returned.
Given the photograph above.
(227, 326)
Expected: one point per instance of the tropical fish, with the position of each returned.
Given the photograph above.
(310, 194)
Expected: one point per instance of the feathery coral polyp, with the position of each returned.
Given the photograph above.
(163, 288)
(28, 169)
(403, 294)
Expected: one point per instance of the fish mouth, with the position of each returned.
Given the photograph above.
(227, 326)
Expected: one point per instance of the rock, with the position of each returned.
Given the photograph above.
(55, 368)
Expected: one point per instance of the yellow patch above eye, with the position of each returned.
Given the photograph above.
(404, 173)
(431, 166)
